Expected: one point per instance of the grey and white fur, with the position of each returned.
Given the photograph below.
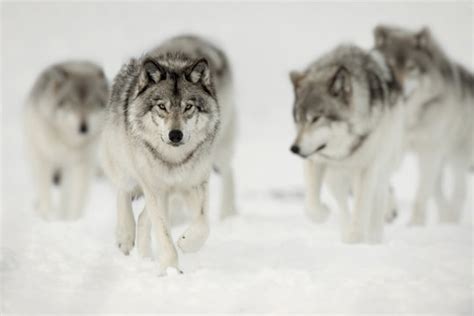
(170, 121)
(63, 119)
(439, 102)
(349, 131)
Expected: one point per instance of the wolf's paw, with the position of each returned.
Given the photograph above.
(227, 212)
(318, 214)
(417, 220)
(125, 240)
(194, 237)
(353, 237)
(168, 264)
(391, 215)
(448, 217)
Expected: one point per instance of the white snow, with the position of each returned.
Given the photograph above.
(268, 259)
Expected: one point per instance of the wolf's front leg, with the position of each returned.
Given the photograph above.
(144, 234)
(194, 237)
(313, 175)
(43, 175)
(74, 190)
(125, 231)
(156, 208)
(377, 213)
(430, 167)
(364, 190)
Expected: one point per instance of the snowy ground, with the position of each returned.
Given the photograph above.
(268, 259)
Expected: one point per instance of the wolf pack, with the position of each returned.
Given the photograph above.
(169, 119)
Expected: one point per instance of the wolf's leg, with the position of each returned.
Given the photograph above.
(378, 211)
(144, 234)
(340, 187)
(430, 167)
(313, 175)
(453, 212)
(125, 231)
(156, 205)
(228, 189)
(43, 175)
(391, 210)
(196, 234)
(364, 194)
(74, 190)
(440, 197)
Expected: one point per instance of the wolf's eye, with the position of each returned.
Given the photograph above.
(161, 106)
(314, 119)
(188, 107)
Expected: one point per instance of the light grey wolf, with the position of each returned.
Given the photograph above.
(350, 132)
(439, 102)
(170, 121)
(63, 118)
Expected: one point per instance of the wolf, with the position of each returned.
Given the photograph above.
(439, 100)
(169, 123)
(349, 127)
(63, 118)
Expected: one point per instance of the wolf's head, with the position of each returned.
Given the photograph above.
(336, 102)
(75, 100)
(414, 57)
(174, 102)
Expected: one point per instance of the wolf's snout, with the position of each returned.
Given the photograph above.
(175, 136)
(295, 149)
(83, 128)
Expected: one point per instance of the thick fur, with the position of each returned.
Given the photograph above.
(439, 100)
(349, 131)
(63, 118)
(183, 85)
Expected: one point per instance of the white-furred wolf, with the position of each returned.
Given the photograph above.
(350, 132)
(63, 118)
(170, 122)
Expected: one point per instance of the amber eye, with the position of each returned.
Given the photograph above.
(161, 106)
(315, 119)
(188, 107)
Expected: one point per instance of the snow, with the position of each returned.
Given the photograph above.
(268, 259)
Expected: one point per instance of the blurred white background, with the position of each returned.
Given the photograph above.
(270, 258)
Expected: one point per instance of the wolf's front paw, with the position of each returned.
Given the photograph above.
(417, 219)
(227, 212)
(125, 240)
(169, 265)
(318, 214)
(194, 237)
(391, 215)
(353, 237)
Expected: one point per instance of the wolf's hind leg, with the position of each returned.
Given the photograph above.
(125, 231)
(313, 175)
(227, 204)
(195, 236)
(453, 210)
(144, 234)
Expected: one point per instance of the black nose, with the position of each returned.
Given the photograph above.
(83, 128)
(175, 136)
(295, 149)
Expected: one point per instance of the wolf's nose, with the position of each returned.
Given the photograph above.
(83, 128)
(295, 149)
(175, 136)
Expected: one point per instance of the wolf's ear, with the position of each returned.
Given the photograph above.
(296, 77)
(59, 75)
(422, 38)
(200, 72)
(340, 84)
(380, 36)
(150, 73)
